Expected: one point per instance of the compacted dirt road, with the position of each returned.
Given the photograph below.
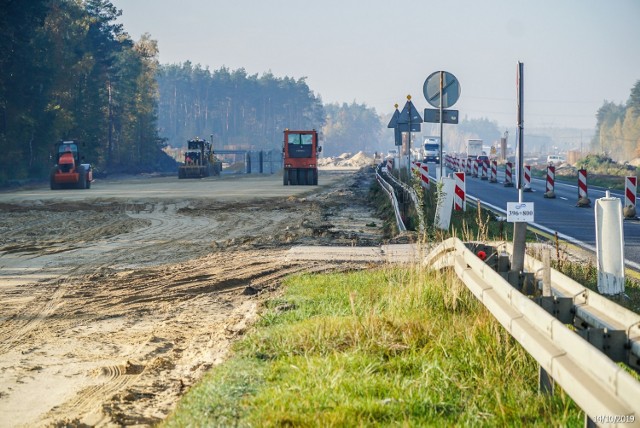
(116, 299)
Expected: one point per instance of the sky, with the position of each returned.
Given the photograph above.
(576, 53)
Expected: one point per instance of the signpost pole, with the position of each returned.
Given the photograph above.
(441, 121)
(409, 147)
(519, 228)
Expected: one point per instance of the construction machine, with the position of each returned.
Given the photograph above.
(199, 160)
(300, 151)
(68, 172)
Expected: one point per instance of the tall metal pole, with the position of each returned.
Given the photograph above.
(409, 145)
(520, 228)
(441, 120)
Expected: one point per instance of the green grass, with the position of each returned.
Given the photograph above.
(387, 347)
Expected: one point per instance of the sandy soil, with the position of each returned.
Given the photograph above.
(115, 300)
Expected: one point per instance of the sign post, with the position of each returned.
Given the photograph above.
(441, 89)
(519, 227)
(409, 120)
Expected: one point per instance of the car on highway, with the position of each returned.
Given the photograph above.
(483, 158)
(555, 160)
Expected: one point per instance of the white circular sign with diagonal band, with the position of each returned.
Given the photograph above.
(450, 89)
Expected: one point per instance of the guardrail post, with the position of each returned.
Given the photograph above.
(545, 382)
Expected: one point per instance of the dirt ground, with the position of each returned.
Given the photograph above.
(115, 300)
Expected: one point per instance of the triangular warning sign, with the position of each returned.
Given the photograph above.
(394, 119)
(409, 114)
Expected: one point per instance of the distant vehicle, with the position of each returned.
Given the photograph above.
(483, 158)
(300, 150)
(432, 149)
(555, 160)
(68, 171)
(199, 160)
(474, 149)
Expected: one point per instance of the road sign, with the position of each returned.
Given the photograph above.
(409, 114)
(450, 89)
(432, 115)
(409, 118)
(394, 119)
(518, 212)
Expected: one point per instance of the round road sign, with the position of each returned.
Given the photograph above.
(450, 89)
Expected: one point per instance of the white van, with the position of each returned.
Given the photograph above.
(555, 160)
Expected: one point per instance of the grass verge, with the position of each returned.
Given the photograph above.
(387, 347)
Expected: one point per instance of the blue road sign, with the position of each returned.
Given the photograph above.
(409, 114)
(450, 89)
(394, 119)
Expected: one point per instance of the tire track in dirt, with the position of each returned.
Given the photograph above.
(119, 325)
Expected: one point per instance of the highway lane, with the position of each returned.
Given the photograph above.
(559, 214)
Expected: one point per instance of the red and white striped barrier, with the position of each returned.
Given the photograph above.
(467, 167)
(459, 197)
(582, 183)
(476, 167)
(389, 164)
(508, 175)
(424, 175)
(630, 190)
(493, 178)
(551, 182)
(485, 171)
(415, 168)
(526, 181)
(583, 197)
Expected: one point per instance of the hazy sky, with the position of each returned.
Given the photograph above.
(576, 53)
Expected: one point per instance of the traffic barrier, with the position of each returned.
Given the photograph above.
(580, 358)
(459, 198)
(526, 185)
(415, 168)
(508, 175)
(630, 190)
(476, 165)
(494, 172)
(484, 174)
(389, 165)
(551, 182)
(468, 168)
(583, 197)
(424, 175)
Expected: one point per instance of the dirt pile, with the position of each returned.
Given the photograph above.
(347, 160)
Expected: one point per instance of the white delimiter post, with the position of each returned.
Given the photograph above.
(610, 245)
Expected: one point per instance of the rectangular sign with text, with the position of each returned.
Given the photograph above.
(520, 212)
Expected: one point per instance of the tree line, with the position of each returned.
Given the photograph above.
(618, 128)
(68, 71)
(239, 110)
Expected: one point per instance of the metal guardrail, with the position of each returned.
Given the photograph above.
(389, 190)
(607, 393)
(412, 195)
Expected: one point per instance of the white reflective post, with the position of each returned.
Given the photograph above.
(610, 245)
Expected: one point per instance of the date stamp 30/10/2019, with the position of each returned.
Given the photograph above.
(615, 419)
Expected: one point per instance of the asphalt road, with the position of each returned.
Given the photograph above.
(561, 214)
